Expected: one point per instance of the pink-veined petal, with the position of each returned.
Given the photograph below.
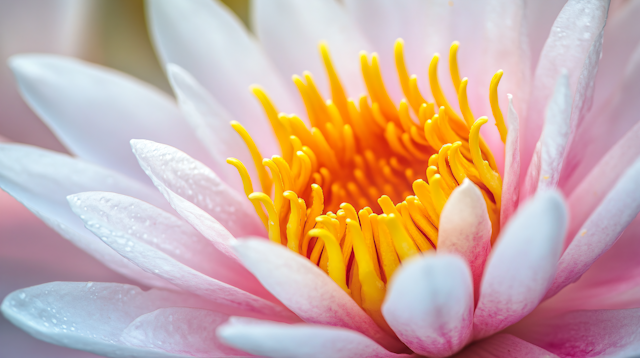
(511, 183)
(41, 180)
(280, 340)
(465, 229)
(180, 330)
(205, 38)
(504, 346)
(173, 170)
(96, 111)
(307, 290)
(601, 230)
(89, 316)
(429, 304)
(599, 333)
(522, 264)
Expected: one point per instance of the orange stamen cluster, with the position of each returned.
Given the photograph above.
(363, 189)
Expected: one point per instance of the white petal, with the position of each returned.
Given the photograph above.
(522, 264)
(290, 31)
(161, 231)
(41, 180)
(89, 316)
(511, 183)
(173, 170)
(56, 26)
(429, 304)
(152, 260)
(601, 230)
(180, 330)
(574, 44)
(211, 123)
(206, 39)
(307, 290)
(272, 339)
(95, 111)
(465, 229)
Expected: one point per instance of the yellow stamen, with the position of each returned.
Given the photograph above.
(337, 270)
(248, 186)
(274, 221)
(495, 106)
(265, 180)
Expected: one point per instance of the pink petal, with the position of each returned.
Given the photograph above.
(307, 290)
(272, 339)
(504, 346)
(621, 39)
(465, 229)
(205, 38)
(173, 170)
(210, 121)
(95, 111)
(42, 179)
(229, 298)
(602, 177)
(290, 31)
(163, 232)
(511, 182)
(57, 26)
(588, 333)
(88, 316)
(179, 330)
(553, 141)
(605, 128)
(574, 44)
(601, 230)
(429, 304)
(522, 264)
(424, 26)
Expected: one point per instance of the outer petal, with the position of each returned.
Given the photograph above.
(504, 346)
(601, 333)
(230, 299)
(41, 180)
(465, 229)
(88, 316)
(511, 183)
(553, 141)
(161, 231)
(173, 170)
(211, 123)
(206, 39)
(290, 31)
(307, 290)
(272, 339)
(57, 26)
(601, 230)
(179, 330)
(574, 43)
(605, 127)
(95, 111)
(429, 305)
(522, 264)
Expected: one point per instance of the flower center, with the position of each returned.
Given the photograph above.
(363, 189)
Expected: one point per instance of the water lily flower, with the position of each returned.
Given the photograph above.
(380, 204)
